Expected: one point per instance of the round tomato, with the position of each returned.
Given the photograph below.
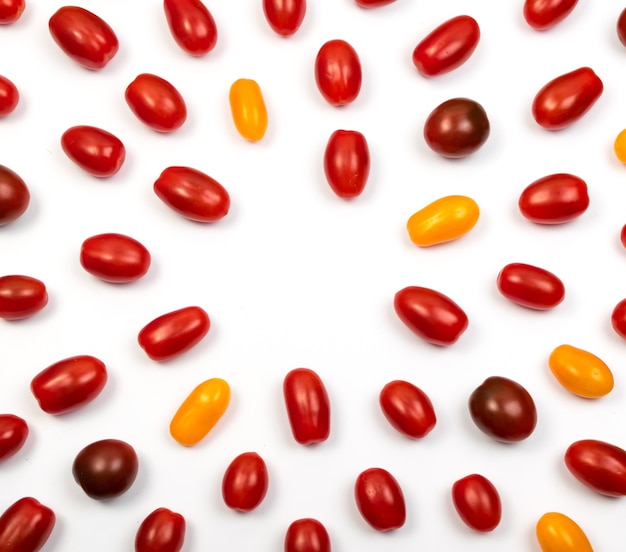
(308, 406)
(13, 434)
(161, 531)
(430, 314)
(21, 296)
(618, 318)
(94, 150)
(26, 525)
(621, 27)
(248, 110)
(11, 10)
(477, 502)
(14, 196)
(106, 469)
(245, 482)
(9, 96)
(347, 163)
(447, 47)
(373, 3)
(114, 258)
(545, 14)
(530, 286)
(456, 128)
(503, 409)
(380, 500)
(83, 36)
(284, 16)
(191, 25)
(338, 72)
(156, 103)
(599, 465)
(565, 99)
(307, 535)
(558, 533)
(407, 408)
(580, 372)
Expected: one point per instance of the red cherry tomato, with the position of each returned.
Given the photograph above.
(554, 199)
(447, 47)
(83, 36)
(380, 500)
(114, 258)
(407, 408)
(191, 25)
(621, 27)
(503, 409)
(622, 235)
(457, 128)
(430, 314)
(245, 482)
(9, 96)
(545, 14)
(161, 531)
(25, 526)
(156, 103)
(347, 163)
(618, 318)
(477, 502)
(11, 11)
(565, 99)
(192, 194)
(530, 286)
(13, 434)
(373, 3)
(69, 384)
(284, 16)
(308, 406)
(338, 72)
(21, 296)
(94, 150)
(307, 535)
(14, 196)
(599, 465)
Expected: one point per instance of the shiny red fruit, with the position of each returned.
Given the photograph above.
(618, 319)
(407, 408)
(26, 525)
(14, 196)
(545, 14)
(21, 296)
(347, 163)
(621, 27)
(13, 434)
(373, 3)
(9, 96)
(380, 499)
(11, 11)
(245, 482)
(530, 286)
(477, 502)
(94, 150)
(599, 465)
(156, 103)
(284, 16)
(191, 25)
(161, 531)
(307, 535)
(338, 72)
(114, 258)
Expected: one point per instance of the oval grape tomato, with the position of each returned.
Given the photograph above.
(477, 502)
(21, 296)
(338, 72)
(347, 163)
(248, 109)
(161, 531)
(156, 103)
(545, 14)
(618, 319)
(26, 525)
(114, 258)
(621, 27)
(530, 286)
(373, 3)
(245, 482)
(13, 434)
(284, 16)
(14, 196)
(9, 95)
(191, 25)
(407, 408)
(558, 533)
(307, 535)
(94, 150)
(11, 11)
(380, 500)
(581, 372)
(599, 465)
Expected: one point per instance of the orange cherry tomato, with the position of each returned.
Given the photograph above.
(248, 109)
(558, 533)
(581, 372)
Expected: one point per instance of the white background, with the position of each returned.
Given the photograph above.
(295, 276)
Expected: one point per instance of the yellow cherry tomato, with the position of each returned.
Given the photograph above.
(581, 372)
(443, 220)
(619, 146)
(248, 109)
(200, 411)
(558, 533)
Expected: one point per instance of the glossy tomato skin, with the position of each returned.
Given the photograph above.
(457, 128)
(581, 372)
(9, 96)
(156, 103)
(94, 150)
(248, 109)
(431, 315)
(11, 11)
(599, 465)
(554, 199)
(380, 500)
(545, 14)
(407, 408)
(191, 25)
(308, 406)
(503, 409)
(173, 333)
(284, 16)
(161, 531)
(621, 27)
(245, 482)
(338, 72)
(307, 535)
(530, 286)
(558, 533)
(13, 434)
(106, 469)
(26, 525)
(618, 319)
(14, 196)
(447, 47)
(373, 3)
(83, 36)
(565, 99)
(21, 296)
(69, 384)
(477, 502)
(347, 163)
(114, 258)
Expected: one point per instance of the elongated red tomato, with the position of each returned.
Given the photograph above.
(11, 11)
(173, 333)
(530, 286)
(161, 531)
(338, 72)
(191, 25)
(156, 102)
(14, 196)
(565, 99)
(284, 16)
(94, 150)
(558, 533)
(380, 500)
(373, 3)
(554, 199)
(114, 258)
(13, 434)
(83, 36)
(477, 502)
(245, 482)
(447, 47)
(430, 314)
(307, 535)
(599, 465)
(308, 406)
(26, 525)
(9, 96)
(621, 27)
(545, 14)
(21, 296)
(407, 408)
(347, 163)
(618, 319)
